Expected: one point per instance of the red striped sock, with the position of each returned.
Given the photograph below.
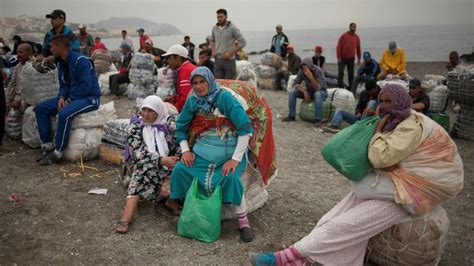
(243, 220)
(289, 256)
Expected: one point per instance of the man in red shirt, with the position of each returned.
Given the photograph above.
(177, 58)
(347, 46)
(143, 38)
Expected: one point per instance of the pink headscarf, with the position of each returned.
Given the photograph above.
(400, 107)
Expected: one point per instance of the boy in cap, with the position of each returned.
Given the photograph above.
(143, 37)
(57, 18)
(319, 60)
(368, 70)
(177, 58)
(420, 101)
(294, 62)
(393, 62)
(122, 77)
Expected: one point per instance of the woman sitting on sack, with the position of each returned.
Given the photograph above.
(417, 167)
(152, 150)
(213, 131)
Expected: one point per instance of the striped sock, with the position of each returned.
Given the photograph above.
(289, 256)
(243, 220)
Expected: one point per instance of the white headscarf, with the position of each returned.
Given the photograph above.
(153, 138)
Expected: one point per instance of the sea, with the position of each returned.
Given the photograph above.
(421, 43)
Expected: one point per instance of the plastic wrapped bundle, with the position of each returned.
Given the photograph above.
(83, 142)
(419, 240)
(307, 111)
(265, 72)
(140, 91)
(245, 71)
(438, 98)
(116, 132)
(167, 77)
(116, 57)
(104, 82)
(143, 61)
(38, 86)
(29, 131)
(267, 84)
(102, 60)
(96, 118)
(13, 124)
(343, 99)
(140, 76)
(271, 59)
(291, 83)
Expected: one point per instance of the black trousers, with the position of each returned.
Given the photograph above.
(115, 80)
(350, 71)
(3, 107)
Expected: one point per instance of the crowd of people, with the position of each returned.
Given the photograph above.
(210, 138)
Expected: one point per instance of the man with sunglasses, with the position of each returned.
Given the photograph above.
(420, 101)
(58, 18)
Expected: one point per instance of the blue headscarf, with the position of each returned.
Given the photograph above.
(205, 103)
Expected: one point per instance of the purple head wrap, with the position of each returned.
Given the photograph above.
(400, 107)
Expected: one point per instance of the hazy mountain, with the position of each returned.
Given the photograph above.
(132, 24)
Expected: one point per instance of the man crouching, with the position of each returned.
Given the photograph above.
(79, 93)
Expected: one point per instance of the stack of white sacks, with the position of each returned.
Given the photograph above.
(142, 81)
(246, 72)
(266, 71)
(103, 79)
(166, 82)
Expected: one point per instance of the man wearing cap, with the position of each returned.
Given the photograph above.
(177, 59)
(122, 77)
(143, 38)
(294, 62)
(79, 93)
(226, 41)
(156, 52)
(319, 60)
(126, 39)
(368, 70)
(347, 46)
(58, 18)
(189, 46)
(420, 101)
(393, 62)
(86, 41)
(279, 42)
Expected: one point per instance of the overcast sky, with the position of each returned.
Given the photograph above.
(196, 16)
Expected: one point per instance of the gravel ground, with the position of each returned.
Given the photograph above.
(57, 222)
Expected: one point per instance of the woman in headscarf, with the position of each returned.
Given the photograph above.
(418, 167)
(213, 131)
(152, 148)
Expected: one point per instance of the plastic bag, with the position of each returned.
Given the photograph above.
(307, 111)
(347, 151)
(13, 124)
(201, 216)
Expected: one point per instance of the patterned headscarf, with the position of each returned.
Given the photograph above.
(206, 102)
(400, 107)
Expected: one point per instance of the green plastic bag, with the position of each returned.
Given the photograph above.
(307, 111)
(347, 151)
(442, 119)
(201, 215)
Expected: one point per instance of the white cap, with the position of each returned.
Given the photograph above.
(81, 26)
(177, 50)
(1, 45)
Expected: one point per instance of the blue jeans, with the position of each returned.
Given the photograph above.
(341, 115)
(48, 108)
(319, 97)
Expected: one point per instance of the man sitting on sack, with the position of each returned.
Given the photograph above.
(79, 93)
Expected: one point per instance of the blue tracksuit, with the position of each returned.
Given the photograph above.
(78, 85)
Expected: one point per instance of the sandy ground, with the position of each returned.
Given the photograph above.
(57, 222)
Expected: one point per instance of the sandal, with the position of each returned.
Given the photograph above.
(122, 227)
(175, 210)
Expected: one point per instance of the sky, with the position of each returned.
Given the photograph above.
(256, 15)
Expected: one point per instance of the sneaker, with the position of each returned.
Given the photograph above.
(331, 129)
(318, 123)
(246, 234)
(44, 153)
(267, 259)
(288, 119)
(50, 159)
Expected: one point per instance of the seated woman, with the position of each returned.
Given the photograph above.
(215, 153)
(152, 148)
(418, 168)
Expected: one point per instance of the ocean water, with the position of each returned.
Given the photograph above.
(421, 43)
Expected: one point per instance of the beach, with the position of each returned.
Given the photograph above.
(56, 221)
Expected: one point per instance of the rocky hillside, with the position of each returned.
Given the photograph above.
(132, 24)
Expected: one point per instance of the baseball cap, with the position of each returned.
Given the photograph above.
(290, 47)
(366, 55)
(141, 30)
(81, 26)
(414, 83)
(392, 46)
(57, 13)
(318, 49)
(177, 50)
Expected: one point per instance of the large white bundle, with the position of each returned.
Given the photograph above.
(438, 97)
(245, 71)
(140, 76)
(102, 60)
(140, 91)
(418, 240)
(167, 77)
(29, 132)
(271, 59)
(143, 61)
(401, 82)
(116, 131)
(265, 72)
(342, 98)
(104, 83)
(37, 86)
(291, 83)
(96, 118)
(83, 142)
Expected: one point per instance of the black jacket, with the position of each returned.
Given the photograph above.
(283, 44)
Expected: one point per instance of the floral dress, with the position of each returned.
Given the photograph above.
(147, 177)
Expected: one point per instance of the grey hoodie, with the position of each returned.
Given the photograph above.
(318, 74)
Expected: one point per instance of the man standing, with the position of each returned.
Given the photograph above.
(126, 39)
(369, 70)
(294, 62)
(347, 46)
(189, 46)
(79, 93)
(122, 77)
(142, 38)
(421, 101)
(226, 40)
(177, 58)
(279, 42)
(14, 89)
(393, 62)
(313, 76)
(58, 18)
(86, 41)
